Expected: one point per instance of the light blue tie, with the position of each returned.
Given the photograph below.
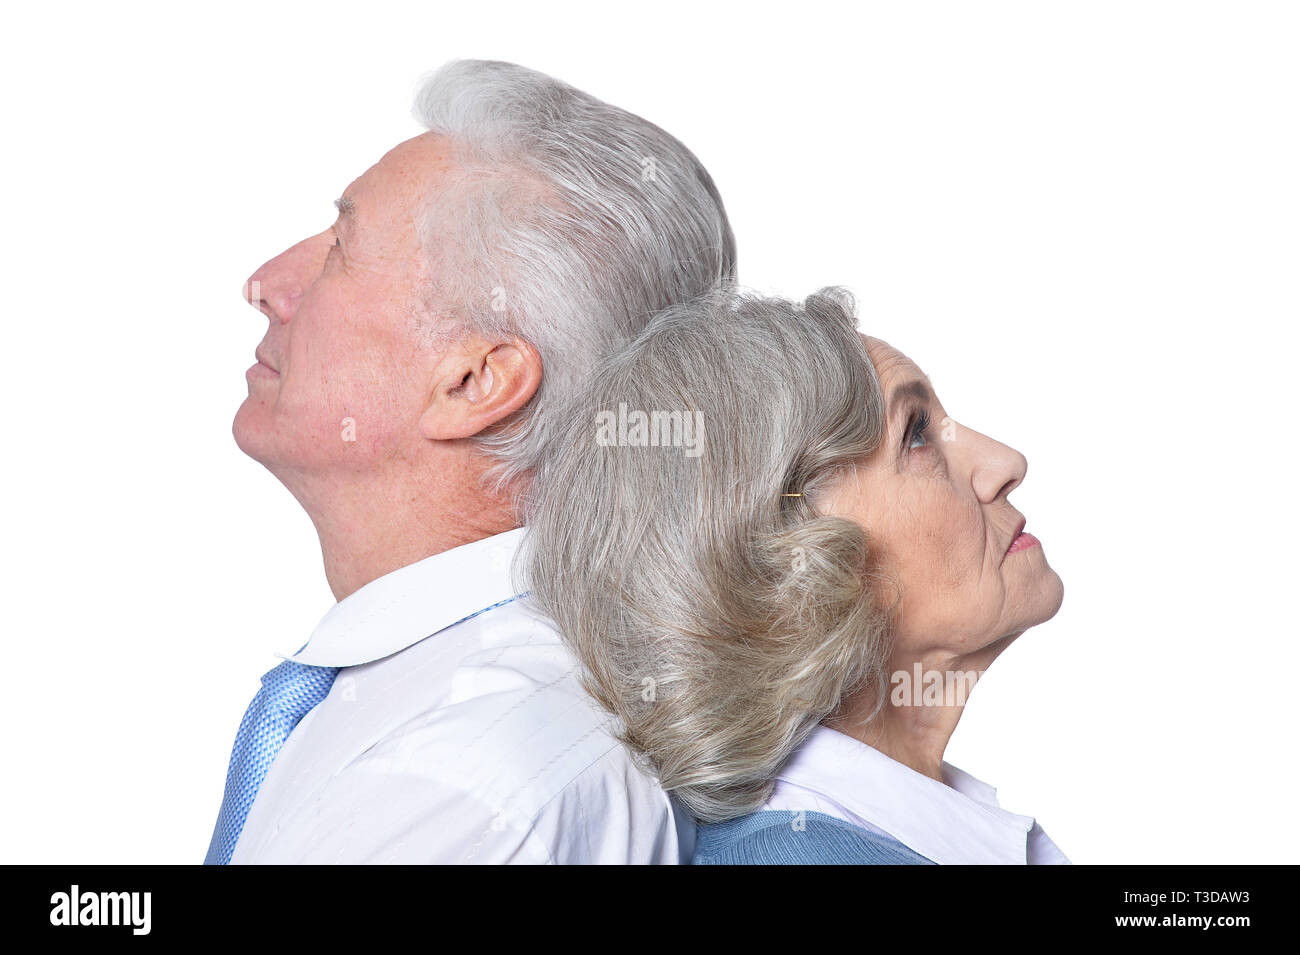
(288, 692)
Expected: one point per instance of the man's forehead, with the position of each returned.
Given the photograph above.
(400, 180)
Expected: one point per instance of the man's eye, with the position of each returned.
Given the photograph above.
(917, 430)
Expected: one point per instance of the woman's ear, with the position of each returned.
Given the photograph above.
(477, 384)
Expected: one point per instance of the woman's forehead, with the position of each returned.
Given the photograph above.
(890, 363)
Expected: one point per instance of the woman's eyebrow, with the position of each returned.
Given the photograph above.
(917, 389)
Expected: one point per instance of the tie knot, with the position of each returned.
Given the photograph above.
(297, 686)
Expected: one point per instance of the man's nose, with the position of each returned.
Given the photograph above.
(277, 287)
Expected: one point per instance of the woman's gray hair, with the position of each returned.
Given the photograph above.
(714, 612)
(569, 223)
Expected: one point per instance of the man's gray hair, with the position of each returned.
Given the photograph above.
(569, 223)
(714, 611)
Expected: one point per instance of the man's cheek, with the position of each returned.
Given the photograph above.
(364, 416)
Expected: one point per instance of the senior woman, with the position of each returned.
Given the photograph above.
(781, 564)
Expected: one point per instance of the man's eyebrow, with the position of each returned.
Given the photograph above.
(346, 207)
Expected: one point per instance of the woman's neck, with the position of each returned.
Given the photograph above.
(915, 736)
(925, 700)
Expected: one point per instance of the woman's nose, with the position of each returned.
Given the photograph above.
(996, 468)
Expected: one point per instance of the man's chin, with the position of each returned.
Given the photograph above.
(252, 431)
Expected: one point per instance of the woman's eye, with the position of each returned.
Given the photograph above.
(917, 431)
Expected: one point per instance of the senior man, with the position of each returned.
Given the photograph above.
(416, 350)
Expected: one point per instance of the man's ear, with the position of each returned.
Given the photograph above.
(478, 383)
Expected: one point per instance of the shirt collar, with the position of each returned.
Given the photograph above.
(959, 823)
(403, 607)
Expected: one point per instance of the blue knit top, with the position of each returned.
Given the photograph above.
(779, 837)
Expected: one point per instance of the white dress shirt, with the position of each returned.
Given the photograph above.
(959, 823)
(447, 742)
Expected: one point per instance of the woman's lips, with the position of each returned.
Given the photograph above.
(1023, 540)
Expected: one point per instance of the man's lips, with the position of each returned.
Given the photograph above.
(263, 369)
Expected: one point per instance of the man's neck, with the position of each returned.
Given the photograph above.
(367, 531)
(354, 557)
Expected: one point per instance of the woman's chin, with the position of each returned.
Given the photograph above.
(1051, 596)
(1041, 603)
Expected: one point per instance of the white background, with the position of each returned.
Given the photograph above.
(1081, 219)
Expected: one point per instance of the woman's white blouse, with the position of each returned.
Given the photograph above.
(959, 823)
